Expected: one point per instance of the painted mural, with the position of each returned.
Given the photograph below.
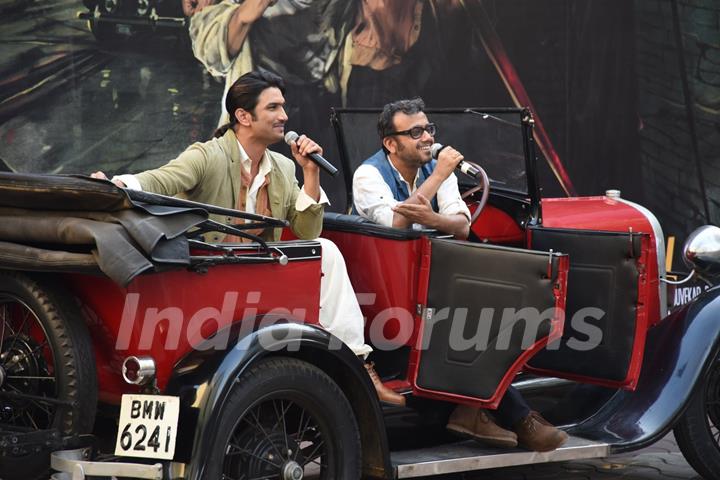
(626, 94)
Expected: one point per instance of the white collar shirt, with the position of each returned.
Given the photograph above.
(374, 200)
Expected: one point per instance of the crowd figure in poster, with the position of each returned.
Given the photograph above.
(330, 52)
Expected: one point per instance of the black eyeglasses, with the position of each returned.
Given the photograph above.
(416, 132)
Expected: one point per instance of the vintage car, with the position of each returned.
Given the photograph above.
(207, 361)
(111, 20)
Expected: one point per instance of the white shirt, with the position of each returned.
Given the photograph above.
(374, 200)
(302, 202)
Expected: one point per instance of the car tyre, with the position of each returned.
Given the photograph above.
(285, 414)
(46, 351)
(698, 430)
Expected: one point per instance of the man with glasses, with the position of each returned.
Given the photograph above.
(402, 186)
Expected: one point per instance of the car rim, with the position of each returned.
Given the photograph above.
(28, 383)
(712, 405)
(280, 439)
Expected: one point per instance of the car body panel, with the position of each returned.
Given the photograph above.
(385, 274)
(496, 226)
(182, 308)
(392, 279)
(479, 375)
(680, 352)
(615, 215)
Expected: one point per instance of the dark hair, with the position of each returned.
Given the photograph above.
(408, 107)
(244, 93)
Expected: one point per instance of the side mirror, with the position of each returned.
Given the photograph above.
(701, 252)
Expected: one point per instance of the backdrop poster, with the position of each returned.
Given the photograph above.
(626, 93)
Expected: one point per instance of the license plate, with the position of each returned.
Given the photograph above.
(148, 426)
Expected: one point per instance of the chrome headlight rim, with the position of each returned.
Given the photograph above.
(701, 252)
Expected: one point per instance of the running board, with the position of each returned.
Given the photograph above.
(468, 456)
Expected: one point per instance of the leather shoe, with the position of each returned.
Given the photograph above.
(384, 393)
(477, 424)
(537, 434)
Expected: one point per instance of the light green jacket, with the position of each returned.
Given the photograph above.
(210, 173)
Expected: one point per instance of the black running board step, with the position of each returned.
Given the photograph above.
(469, 456)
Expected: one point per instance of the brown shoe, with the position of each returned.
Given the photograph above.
(477, 424)
(537, 434)
(384, 394)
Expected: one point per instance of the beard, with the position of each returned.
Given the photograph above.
(269, 134)
(413, 154)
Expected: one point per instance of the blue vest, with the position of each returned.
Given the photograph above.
(391, 176)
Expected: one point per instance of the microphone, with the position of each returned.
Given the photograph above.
(464, 167)
(291, 137)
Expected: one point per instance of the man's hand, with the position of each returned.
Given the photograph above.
(102, 176)
(301, 150)
(447, 161)
(245, 15)
(421, 213)
(456, 225)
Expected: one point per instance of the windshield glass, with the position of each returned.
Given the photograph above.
(492, 140)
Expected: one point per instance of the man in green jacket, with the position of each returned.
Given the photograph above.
(236, 170)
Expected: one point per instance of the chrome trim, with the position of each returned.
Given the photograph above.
(679, 282)
(176, 470)
(72, 465)
(145, 369)
(701, 251)
(292, 471)
(541, 383)
(659, 245)
(467, 457)
(293, 259)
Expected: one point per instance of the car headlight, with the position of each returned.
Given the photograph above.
(702, 251)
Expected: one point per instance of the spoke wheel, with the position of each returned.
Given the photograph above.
(286, 420)
(27, 368)
(698, 430)
(47, 369)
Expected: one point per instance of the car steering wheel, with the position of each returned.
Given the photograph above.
(484, 185)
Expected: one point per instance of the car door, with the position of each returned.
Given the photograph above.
(607, 306)
(487, 310)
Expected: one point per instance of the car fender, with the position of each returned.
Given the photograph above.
(203, 380)
(680, 351)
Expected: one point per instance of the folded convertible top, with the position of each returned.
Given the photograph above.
(61, 192)
(73, 223)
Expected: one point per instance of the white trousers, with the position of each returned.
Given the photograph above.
(339, 309)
